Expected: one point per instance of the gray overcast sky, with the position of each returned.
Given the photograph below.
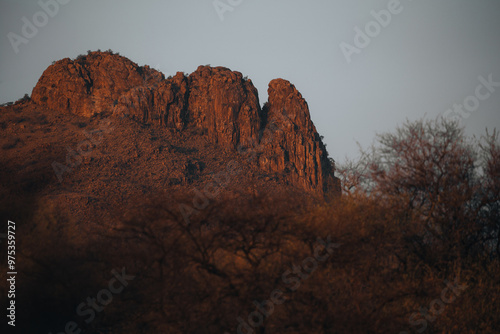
(428, 57)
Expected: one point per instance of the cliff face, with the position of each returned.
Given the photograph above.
(224, 105)
(290, 142)
(218, 103)
(89, 85)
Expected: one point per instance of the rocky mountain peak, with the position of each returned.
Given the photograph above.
(90, 84)
(217, 103)
(285, 99)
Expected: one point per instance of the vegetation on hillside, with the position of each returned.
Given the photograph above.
(413, 245)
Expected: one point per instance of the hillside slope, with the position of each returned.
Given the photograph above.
(99, 130)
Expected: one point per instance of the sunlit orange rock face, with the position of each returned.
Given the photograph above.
(295, 146)
(89, 85)
(224, 104)
(220, 104)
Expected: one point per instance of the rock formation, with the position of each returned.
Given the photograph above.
(290, 142)
(90, 84)
(218, 103)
